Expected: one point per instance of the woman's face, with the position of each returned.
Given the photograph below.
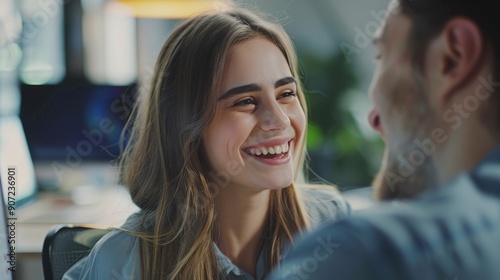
(255, 137)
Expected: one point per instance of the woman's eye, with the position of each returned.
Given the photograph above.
(288, 94)
(245, 102)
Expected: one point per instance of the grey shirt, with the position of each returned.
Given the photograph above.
(116, 255)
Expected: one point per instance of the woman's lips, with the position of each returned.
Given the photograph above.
(269, 150)
(271, 155)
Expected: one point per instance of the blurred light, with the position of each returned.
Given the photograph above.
(10, 23)
(120, 48)
(42, 42)
(110, 43)
(38, 73)
(14, 152)
(10, 57)
(10, 98)
(173, 8)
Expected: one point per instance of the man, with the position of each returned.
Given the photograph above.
(437, 105)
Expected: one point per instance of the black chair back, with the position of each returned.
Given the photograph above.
(64, 245)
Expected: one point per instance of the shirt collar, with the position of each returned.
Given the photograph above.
(227, 267)
(486, 175)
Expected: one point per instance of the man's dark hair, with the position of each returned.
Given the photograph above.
(430, 16)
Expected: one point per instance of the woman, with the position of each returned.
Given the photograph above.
(215, 149)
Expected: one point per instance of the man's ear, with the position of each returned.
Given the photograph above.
(457, 54)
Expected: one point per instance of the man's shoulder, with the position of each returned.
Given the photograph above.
(394, 240)
(324, 203)
(459, 199)
(428, 216)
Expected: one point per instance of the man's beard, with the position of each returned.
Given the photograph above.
(408, 167)
(400, 178)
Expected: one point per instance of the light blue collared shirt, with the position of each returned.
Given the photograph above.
(116, 256)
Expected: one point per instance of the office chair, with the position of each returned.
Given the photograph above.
(64, 245)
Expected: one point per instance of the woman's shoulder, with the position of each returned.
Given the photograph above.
(119, 240)
(115, 254)
(115, 242)
(324, 202)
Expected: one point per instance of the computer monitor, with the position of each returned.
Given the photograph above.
(74, 123)
(78, 120)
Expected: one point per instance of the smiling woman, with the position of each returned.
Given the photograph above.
(259, 120)
(215, 152)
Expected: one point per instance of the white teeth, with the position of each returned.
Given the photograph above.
(284, 148)
(279, 149)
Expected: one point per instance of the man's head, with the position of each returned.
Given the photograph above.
(434, 91)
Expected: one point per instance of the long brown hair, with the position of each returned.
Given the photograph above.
(163, 165)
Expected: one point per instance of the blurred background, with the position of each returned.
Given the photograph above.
(70, 71)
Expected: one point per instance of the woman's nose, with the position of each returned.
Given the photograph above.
(273, 118)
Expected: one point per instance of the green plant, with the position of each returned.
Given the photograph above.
(338, 151)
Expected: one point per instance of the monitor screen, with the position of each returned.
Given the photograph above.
(75, 122)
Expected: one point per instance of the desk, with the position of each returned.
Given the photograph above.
(111, 209)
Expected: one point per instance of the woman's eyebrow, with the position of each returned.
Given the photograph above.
(284, 81)
(254, 87)
(239, 90)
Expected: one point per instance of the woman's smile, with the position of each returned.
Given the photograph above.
(274, 152)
